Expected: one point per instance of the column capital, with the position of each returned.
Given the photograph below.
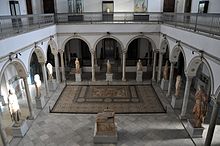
(61, 51)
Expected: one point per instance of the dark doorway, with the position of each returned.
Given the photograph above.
(48, 6)
(188, 4)
(169, 6)
(29, 7)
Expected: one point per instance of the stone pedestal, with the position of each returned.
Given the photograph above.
(40, 102)
(105, 138)
(176, 102)
(164, 84)
(109, 77)
(52, 85)
(78, 77)
(19, 130)
(139, 76)
(194, 132)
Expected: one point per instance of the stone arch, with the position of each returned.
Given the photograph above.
(40, 55)
(174, 56)
(217, 94)
(75, 37)
(193, 68)
(163, 47)
(142, 36)
(108, 36)
(53, 46)
(19, 65)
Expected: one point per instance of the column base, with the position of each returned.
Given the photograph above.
(182, 117)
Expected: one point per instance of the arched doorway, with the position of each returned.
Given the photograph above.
(51, 60)
(77, 48)
(139, 48)
(11, 78)
(108, 49)
(35, 68)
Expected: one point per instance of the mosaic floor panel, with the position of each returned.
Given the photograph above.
(122, 99)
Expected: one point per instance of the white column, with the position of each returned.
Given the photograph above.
(57, 68)
(3, 134)
(154, 66)
(212, 124)
(45, 78)
(123, 66)
(186, 97)
(170, 79)
(160, 67)
(62, 67)
(93, 65)
(30, 106)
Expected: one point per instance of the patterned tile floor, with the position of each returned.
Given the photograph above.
(50, 129)
(122, 99)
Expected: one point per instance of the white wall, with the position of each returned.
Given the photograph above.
(214, 6)
(5, 9)
(119, 6)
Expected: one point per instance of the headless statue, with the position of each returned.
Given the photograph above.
(37, 85)
(13, 106)
(139, 65)
(109, 67)
(50, 71)
(77, 65)
(200, 107)
(178, 85)
(166, 71)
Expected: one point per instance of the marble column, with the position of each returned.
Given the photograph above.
(45, 78)
(212, 124)
(123, 66)
(62, 67)
(170, 79)
(93, 65)
(30, 106)
(159, 67)
(57, 68)
(3, 134)
(154, 66)
(186, 97)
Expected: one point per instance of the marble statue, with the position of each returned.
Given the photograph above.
(13, 106)
(178, 85)
(139, 65)
(50, 71)
(37, 83)
(106, 122)
(77, 65)
(200, 107)
(166, 71)
(109, 67)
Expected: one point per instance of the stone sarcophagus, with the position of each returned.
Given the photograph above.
(105, 127)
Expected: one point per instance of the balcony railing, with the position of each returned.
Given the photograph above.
(202, 23)
(11, 25)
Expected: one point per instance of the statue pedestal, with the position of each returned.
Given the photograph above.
(109, 77)
(19, 130)
(40, 102)
(52, 85)
(78, 77)
(139, 76)
(105, 138)
(164, 84)
(176, 102)
(194, 132)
